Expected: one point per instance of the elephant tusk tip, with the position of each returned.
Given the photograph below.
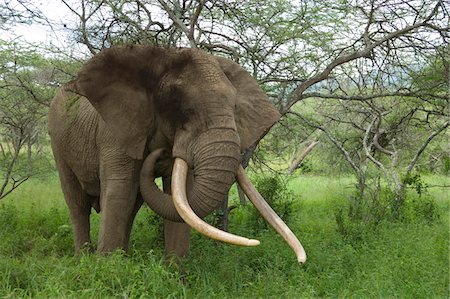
(301, 259)
(252, 242)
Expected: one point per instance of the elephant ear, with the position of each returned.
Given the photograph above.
(113, 83)
(254, 112)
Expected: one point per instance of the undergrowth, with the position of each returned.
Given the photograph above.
(274, 190)
(405, 258)
(364, 214)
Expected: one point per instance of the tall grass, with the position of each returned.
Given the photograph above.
(396, 259)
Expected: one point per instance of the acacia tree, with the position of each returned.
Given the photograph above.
(20, 121)
(383, 136)
(13, 12)
(27, 84)
(292, 48)
(324, 50)
(357, 60)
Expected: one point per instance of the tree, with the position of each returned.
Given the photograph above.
(13, 12)
(27, 84)
(344, 55)
(292, 48)
(384, 136)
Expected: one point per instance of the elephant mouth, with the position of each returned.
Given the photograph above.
(180, 202)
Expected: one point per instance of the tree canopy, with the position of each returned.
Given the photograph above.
(371, 76)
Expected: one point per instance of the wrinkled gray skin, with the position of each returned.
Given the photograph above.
(128, 101)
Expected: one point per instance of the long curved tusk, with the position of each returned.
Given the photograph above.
(179, 174)
(269, 214)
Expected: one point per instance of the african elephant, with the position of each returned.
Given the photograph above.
(190, 115)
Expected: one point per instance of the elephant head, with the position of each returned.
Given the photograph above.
(205, 110)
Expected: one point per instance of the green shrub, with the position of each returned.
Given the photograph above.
(446, 164)
(274, 190)
(363, 213)
(416, 182)
(394, 259)
(147, 230)
(420, 208)
(8, 218)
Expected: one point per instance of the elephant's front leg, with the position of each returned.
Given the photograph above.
(176, 239)
(119, 180)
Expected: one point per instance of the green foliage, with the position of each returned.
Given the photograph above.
(416, 182)
(422, 208)
(404, 259)
(362, 215)
(88, 276)
(28, 81)
(274, 189)
(148, 229)
(446, 164)
(305, 167)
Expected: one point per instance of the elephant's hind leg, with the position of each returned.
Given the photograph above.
(79, 206)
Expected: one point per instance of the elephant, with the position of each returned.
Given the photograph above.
(137, 112)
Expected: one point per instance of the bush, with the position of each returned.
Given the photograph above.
(147, 229)
(446, 165)
(8, 218)
(364, 214)
(420, 208)
(274, 190)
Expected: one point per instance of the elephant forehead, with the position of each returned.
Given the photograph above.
(207, 69)
(209, 74)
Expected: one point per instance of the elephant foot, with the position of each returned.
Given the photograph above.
(86, 248)
(175, 263)
(184, 280)
(176, 240)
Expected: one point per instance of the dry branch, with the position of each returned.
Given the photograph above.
(294, 165)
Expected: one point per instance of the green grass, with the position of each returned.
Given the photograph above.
(396, 259)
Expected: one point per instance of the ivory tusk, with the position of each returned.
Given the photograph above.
(179, 174)
(269, 214)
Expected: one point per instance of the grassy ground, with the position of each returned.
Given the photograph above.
(397, 259)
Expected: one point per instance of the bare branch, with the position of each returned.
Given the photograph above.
(9, 169)
(84, 17)
(301, 157)
(332, 139)
(179, 23)
(194, 19)
(367, 147)
(360, 97)
(423, 147)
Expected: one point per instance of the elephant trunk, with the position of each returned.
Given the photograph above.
(215, 160)
(216, 157)
(157, 200)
